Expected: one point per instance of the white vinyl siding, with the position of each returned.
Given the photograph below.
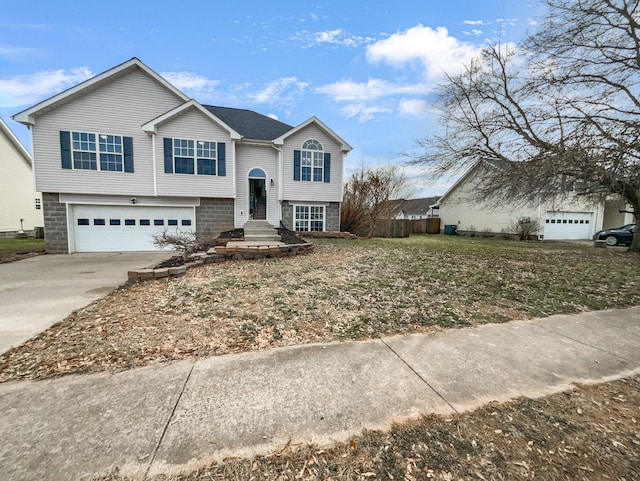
(251, 157)
(16, 190)
(312, 191)
(120, 105)
(461, 208)
(194, 125)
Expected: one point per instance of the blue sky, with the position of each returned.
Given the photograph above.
(366, 69)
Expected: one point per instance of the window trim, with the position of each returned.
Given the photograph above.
(195, 158)
(309, 220)
(97, 151)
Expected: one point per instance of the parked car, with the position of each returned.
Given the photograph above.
(617, 236)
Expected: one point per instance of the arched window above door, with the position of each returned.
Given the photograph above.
(257, 174)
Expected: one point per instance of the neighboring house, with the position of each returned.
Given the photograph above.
(413, 209)
(125, 155)
(573, 218)
(20, 205)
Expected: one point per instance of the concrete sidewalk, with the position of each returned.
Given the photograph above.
(178, 416)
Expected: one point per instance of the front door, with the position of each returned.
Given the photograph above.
(257, 199)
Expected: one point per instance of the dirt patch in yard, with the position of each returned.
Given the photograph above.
(588, 433)
(343, 290)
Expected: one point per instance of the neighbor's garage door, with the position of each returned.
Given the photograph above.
(100, 228)
(568, 225)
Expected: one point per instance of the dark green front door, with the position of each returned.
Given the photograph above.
(257, 199)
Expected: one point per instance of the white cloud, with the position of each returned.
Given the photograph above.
(362, 111)
(347, 90)
(473, 22)
(29, 89)
(17, 54)
(190, 81)
(273, 116)
(280, 90)
(413, 107)
(336, 37)
(329, 36)
(436, 50)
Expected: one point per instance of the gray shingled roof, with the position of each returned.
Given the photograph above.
(250, 124)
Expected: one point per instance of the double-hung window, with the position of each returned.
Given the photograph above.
(183, 156)
(207, 155)
(97, 151)
(309, 218)
(194, 156)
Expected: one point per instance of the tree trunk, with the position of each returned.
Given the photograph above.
(635, 242)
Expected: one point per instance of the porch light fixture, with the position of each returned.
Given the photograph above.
(271, 182)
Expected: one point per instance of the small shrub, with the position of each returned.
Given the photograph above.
(525, 228)
(184, 242)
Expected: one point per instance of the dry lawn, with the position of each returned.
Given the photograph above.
(344, 290)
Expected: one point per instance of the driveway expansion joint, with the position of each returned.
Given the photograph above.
(166, 426)
(420, 376)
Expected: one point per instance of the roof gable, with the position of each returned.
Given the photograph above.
(191, 104)
(28, 116)
(344, 146)
(13, 140)
(251, 125)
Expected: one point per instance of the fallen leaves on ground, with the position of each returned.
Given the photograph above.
(343, 290)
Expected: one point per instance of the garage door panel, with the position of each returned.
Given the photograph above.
(568, 225)
(126, 228)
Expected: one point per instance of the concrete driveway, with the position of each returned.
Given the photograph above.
(40, 291)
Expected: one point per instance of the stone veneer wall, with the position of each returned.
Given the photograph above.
(56, 237)
(214, 216)
(332, 214)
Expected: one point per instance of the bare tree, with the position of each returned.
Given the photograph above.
(562, 109)
(366, 198)
(183, 242)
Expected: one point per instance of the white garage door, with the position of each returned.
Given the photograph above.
(100, 228)
(568, 225)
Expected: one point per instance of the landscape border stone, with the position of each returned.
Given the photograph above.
(219, 254)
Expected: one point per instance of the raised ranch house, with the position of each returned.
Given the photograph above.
(20, 205)
(572, 218)
(125, 155)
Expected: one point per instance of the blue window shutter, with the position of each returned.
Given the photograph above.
(296, 165)
(327, 167)
(65, 149)
(222, 157)
(127, 144)
(168, 155)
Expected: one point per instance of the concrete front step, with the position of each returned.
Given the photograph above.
(260, 231)
(262, 238)
(258, 224)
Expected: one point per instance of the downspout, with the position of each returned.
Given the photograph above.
(155, 169)
(233, 171)
(280, 178)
